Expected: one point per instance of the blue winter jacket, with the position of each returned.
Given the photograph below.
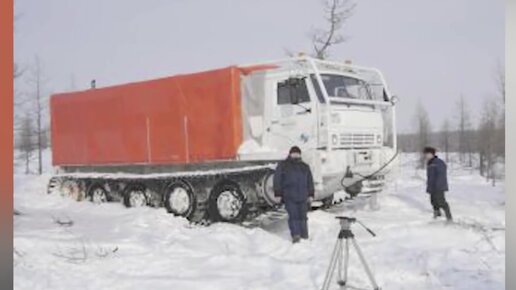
(293, 181)
(437, 179)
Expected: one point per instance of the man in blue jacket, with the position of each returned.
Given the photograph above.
(293, 182)
(437, 183)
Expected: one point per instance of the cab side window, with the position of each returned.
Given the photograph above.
(285, 92)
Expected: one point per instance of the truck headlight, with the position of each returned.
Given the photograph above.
(334, 139)
(379, 139)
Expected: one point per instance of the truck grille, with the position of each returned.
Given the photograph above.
(357, 139)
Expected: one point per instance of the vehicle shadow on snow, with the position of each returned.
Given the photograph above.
(279, 226)
(413, 198)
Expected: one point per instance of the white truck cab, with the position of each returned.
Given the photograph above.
(341, 116)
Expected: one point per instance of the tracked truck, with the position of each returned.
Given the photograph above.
(205, 145)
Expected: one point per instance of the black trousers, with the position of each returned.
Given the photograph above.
(297, 220)
(438, 201)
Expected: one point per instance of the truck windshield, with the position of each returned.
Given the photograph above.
(339, 86)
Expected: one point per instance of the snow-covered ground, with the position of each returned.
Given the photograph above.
(62, 244)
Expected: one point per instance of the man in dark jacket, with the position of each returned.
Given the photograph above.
(437, 183)
(293, 182)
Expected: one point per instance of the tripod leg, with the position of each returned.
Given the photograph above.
(331, 267)
(346, 261)
(344, 254)
(364, 263)
(339, 263)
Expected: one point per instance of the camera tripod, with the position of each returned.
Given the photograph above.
(340, 255)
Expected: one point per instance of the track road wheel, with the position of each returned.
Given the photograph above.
(268, 190)
(135, 196)
(328, 201)
(227, 203)
(54, 185)
(98, 194)
(72, 188)
(179, 199)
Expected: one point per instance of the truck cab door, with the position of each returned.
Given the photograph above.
(294, 117)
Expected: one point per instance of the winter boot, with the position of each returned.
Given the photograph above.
(449, 217)
(296, 239)
(447, 212)
(304, 230)
(437, 213)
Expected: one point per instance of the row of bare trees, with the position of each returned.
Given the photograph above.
(485, 140)
(492, 131)
(30, 115)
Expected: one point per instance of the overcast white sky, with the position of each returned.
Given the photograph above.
(431, 51)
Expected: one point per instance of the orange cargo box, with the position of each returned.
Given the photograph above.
(179, 119)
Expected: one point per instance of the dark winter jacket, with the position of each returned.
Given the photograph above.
(437, 179)
(293, 181)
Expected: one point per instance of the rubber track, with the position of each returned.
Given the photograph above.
(185, 174)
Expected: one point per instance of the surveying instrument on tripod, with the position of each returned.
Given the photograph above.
(340, 257)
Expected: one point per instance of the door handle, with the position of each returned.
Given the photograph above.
(274, 122)
(308, 111)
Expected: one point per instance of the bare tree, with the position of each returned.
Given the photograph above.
(423, 130)
(336, 14)
(487, 139)
(445, 138)
(17, 71)
(35, 101)
(26, 144)
(463, 126)
(500, 82)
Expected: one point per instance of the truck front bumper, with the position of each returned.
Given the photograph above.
(361, 162)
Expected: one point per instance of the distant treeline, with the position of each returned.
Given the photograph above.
(407, 142)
